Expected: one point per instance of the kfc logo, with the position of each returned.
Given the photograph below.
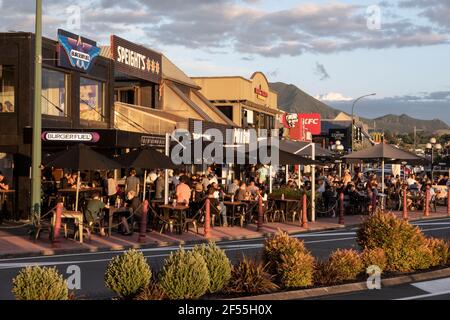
(291, 120)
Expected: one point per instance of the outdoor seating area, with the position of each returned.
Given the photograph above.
(158, 199)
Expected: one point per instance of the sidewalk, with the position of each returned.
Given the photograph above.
(15, 242)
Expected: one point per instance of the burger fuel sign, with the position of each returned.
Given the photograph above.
(136, 60)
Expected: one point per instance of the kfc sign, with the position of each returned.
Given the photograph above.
(302, 126)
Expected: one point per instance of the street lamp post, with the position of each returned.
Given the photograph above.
(353, 115)
(37, 125)
(433, 145)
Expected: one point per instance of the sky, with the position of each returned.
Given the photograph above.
(334, 50)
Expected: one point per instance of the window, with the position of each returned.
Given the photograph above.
(54, 93)
(227, 111)
(7, 96)
(92, 100)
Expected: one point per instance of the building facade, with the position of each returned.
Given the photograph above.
(249, 103)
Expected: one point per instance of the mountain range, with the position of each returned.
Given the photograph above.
(294, 100)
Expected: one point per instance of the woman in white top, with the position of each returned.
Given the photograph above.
(112, 188)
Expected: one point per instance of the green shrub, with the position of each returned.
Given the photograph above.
(374, 257)
(151, 292)
(296, 270)
(250, 277)
(342, 265)
(219, 266)
(127, 274)
(404, 244)
(184, 276)
(36, 283)
(280, 245)
(440, 251)
(292, 194)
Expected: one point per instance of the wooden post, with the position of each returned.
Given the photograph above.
(341, 209)
(260, 212)
(143, 229)
(208, 218)
(305, 211)
(426, 205)
(57, 224)
(448, 201)
(405, 204)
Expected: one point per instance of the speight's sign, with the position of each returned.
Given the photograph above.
(137, 61)
(87, 137)
(76, 52)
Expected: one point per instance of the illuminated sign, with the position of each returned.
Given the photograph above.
(135, 60)
(71, 136)
(302, 126)
(76, 52)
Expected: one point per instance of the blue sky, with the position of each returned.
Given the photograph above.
(323, 47)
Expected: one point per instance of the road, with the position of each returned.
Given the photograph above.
(93, 265)
(438, 289)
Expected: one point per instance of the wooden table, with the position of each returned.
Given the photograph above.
(111, 212)
(285, 203)
(179, 209)
(75, 215)
(233, 205)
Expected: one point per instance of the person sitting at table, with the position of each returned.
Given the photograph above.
(253, 189)
(233, 187)
(93, 212)
(411, 180)
(73, 180)
(4, 184)
(242, 194)
(442, 180)
(347, 177)
(64, 182)
(216, 197)
(132, 213)
(183, 192)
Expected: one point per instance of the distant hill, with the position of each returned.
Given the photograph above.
(292, 99)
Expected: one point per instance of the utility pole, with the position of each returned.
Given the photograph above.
(37, 124)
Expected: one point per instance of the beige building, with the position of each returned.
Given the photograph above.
(159, 108)
(249, 103)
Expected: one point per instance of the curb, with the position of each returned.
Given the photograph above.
(137, 246)
(348, 288)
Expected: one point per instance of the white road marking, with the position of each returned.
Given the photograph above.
(429, 295)
(434, 286)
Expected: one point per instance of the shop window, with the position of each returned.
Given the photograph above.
(7, 92)
(54, 98)
(92, 104)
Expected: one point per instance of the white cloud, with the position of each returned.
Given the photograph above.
(333, 96)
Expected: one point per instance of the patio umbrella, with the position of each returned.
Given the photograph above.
(80, 157)
(385, 153)
(146, 158)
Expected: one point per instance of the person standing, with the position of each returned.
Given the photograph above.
(132, 182)
(111, 188)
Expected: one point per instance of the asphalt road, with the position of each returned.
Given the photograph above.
(93, 265)
(438, 289)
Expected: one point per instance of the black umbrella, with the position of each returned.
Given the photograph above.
(146, 158)
(385, 153)
(80, 157)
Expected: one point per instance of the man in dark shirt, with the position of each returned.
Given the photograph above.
(93, 212)
(134, 212)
